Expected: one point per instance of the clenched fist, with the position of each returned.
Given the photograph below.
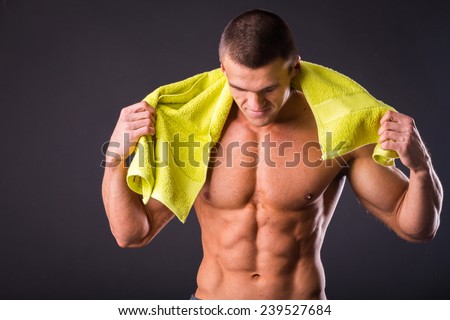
(398, 132)
(134, 122)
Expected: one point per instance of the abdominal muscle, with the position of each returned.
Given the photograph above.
(261, 252)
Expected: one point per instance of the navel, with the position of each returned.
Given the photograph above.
(255, 276)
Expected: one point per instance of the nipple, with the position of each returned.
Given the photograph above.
(206, 195)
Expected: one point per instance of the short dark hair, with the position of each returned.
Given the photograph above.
(256, 38)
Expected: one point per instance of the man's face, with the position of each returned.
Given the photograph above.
(259, 93)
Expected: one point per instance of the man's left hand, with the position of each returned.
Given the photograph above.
(398, 132)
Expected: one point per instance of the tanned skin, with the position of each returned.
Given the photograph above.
(268, 197)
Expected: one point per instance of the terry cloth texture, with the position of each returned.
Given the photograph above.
(190, 114)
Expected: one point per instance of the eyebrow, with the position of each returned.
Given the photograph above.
(273, 86)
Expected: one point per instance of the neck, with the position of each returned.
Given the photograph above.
(292, 109)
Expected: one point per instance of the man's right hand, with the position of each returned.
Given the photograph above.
(134, 122)
(132, 223)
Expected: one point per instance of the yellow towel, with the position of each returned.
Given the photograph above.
(190, 114)
(347, 116)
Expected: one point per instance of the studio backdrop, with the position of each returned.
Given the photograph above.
(68, 67)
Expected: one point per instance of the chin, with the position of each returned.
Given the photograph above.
(260, 122)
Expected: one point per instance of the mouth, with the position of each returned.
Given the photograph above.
(258, 113)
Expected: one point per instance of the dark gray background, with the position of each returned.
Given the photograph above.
(67, 68)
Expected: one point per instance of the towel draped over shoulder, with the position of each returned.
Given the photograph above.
(190, 114)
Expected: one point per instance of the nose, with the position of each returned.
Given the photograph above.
(255, 102)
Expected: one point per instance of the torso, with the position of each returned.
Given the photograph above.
(264, 210)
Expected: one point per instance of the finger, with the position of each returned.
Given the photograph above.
(136, 134)
(389, 116)
(391, 126)
(134, 125)
(389, 145)
(141, 106)
(148, 107)
(145, 114)
(128, 112)
(145, 131)
(392, 135)
(153, 118)
(141, 116)
(396, 117)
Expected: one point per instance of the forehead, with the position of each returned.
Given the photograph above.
(256, 79)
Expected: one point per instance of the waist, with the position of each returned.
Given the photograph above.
(260, 252)
(302, 278)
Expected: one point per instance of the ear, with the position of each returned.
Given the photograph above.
(297, 66)
(223, 68)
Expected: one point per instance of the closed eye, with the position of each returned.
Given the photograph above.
(265, 90)
(270, 89)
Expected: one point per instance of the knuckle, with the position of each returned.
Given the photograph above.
(146, 122)
(146, 131)
(409, 129)
(127, 127)
(134, 136)
(123, 112)
(143, 104)
(126, 118)
(147, 114)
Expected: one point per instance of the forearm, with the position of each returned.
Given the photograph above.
(126, 213)
(419, 213)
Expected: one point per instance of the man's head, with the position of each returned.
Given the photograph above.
(259, 58)
(257, 37)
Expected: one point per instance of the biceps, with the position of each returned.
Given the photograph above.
(380, 189)
(159, 215)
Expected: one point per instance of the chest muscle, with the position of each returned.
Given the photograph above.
(279, 169)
